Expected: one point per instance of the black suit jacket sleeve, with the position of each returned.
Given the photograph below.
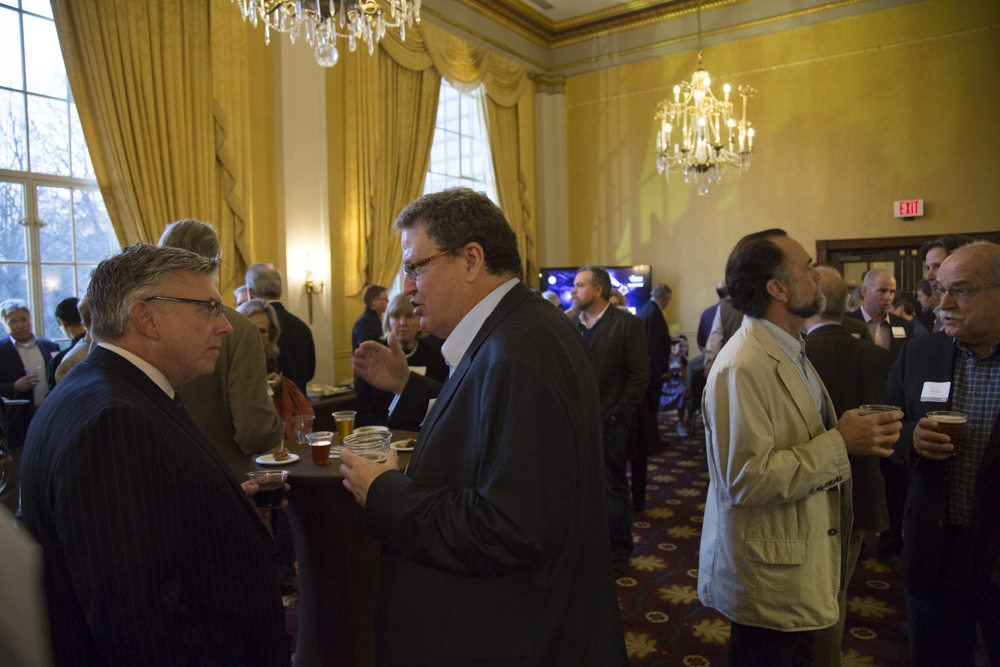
(122, 568)
(495, 528)
(412, 404)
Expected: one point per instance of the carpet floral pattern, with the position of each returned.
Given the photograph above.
(666, 625)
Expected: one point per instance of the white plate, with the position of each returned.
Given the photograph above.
(333, 391)
(335, 452)
(398, 446)
(16, 401)
(268, 459)
(370, 429)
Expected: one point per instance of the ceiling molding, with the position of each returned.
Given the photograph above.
(542, 31)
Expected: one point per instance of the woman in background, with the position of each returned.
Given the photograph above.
(288, 400)
(423, 355)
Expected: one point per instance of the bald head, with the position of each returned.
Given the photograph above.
(834, 289)
(878, 291)
(982, 258)
(970, 302)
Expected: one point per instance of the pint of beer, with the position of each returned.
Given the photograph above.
(952, 424)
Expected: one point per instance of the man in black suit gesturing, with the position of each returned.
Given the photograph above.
(617, 339)
(855, 373)
(153, 554)
(494, 542)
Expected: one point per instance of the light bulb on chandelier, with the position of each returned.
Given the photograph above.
(322, 23)
(710, 138)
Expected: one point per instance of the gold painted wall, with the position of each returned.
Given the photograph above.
(850, 116)
(345, 308)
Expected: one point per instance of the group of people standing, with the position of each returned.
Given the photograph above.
(501, 539)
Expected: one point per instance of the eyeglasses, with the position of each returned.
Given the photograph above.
(214, 308)
(410, 270)
(959, 293)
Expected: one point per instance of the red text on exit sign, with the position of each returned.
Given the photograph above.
(908, 209)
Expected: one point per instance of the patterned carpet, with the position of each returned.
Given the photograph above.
(666, 625)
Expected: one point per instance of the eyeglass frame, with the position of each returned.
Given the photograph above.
(410, 270)
(958, 293)
(216, 306)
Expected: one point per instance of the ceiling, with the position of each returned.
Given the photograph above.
(558, 38)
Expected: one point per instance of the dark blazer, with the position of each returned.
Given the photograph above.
(895, 343)
(855, 373)
(494, 542)
(368, 326)
(931, 358)
(858, 327)
(54, 363)
(705, 324)
(12, 370)
(622, 361)
(153, 553)
(657, 340)
(296, 350)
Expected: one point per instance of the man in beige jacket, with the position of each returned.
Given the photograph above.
(779, 500)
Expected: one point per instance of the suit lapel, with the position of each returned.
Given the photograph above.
(793, 381)
(512, 299)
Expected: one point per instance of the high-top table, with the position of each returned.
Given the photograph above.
(338, 562)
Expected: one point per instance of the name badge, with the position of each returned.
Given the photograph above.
(856, 335)
(935, 392)
(419, 370)
(898, 332)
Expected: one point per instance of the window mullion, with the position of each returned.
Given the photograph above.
(34, 259)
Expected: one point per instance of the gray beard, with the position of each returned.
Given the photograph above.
(807, 310)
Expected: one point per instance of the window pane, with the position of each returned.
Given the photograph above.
(48, 132)
(82, 167)
(83, 273)
(466, 156)
(57, 235)
(93, 227)
(14, 281)
(42, 7)
(13, 140)
(57, 284)
(452, 148)
(12, 3)
(449, 100)
(10, 50)
(42, 58)
(12, 235)
(468, 104)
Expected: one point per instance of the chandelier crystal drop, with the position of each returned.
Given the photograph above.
(700, 135)
(323, 22)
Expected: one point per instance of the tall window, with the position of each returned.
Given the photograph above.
(54, 228)
(460, 154)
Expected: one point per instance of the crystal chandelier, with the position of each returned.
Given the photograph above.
(322, 22)
(711, 139)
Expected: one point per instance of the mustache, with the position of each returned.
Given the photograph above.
(950, 314)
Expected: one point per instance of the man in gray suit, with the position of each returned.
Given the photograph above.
(230, 406)
(855, 373)
(617, 340)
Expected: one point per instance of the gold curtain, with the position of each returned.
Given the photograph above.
(372, 252)
(390, 128)
(162, 104)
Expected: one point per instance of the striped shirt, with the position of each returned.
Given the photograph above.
(977, 394)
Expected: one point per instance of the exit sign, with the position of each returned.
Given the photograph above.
(910, 208)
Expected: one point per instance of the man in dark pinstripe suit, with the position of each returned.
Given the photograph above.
(153, 554)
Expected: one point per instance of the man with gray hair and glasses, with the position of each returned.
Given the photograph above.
(951, 534)
(152, 551)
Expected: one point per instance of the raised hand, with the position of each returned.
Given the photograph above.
(382, 367)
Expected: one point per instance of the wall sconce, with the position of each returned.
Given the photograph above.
(311, 287)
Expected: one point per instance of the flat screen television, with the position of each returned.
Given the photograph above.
(634, 283)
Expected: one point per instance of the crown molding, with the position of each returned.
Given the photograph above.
(542, 31)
